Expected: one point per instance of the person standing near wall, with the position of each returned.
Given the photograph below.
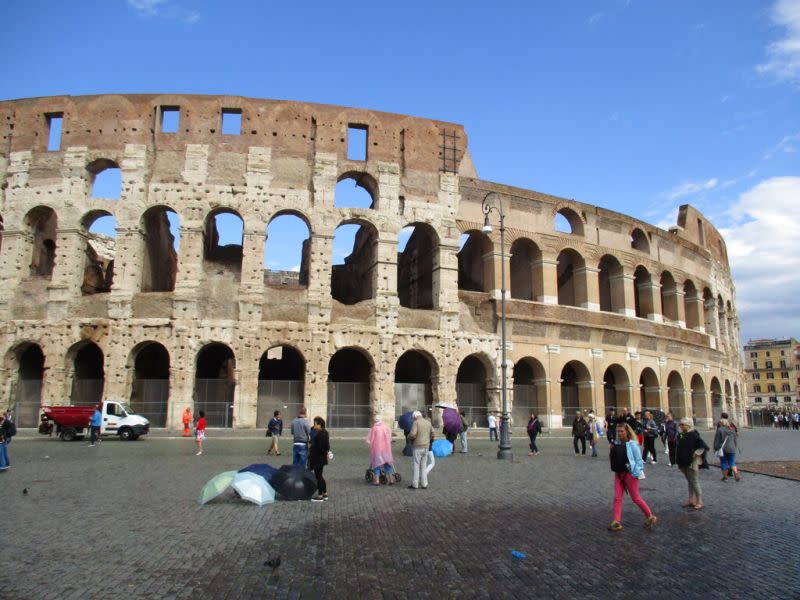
(671, 432)
(421, 434)
(650, 435)
(462, 436)
(200, 432)
(274, 431)
(534, 429)
(689, 457)
(492, 427)
(95, 424)
(301, 434)
(187, 422)
(579, 432)
(318, 457)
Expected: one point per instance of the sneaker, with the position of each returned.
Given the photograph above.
(411, 487)
(317, 498)
(199, 453)
(325, 498)
(91, 445)
(737, 477)
(615, 526)
(650, 521)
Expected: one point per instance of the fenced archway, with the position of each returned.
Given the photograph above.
(281, 384)
(150, 386)
(413, 385)
(471, 390)
(88, 376)
(576, 390)
(214, 384)
(530, 392)
(676, 395)
(27, 387)
(350, 376)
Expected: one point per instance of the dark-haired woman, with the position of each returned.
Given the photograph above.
(534, 429)
(318, 457)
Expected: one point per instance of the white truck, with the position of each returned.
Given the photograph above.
(118, 419)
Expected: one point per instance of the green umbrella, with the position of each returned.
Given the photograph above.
(215, 486)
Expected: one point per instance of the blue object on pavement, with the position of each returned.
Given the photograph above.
(442, 448)
(517, 554)
(265, 470)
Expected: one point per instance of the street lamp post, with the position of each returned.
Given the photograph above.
(504, 451)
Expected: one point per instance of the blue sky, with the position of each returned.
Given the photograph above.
(632, 105)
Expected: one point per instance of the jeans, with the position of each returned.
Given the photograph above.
(623, 481)
(300, 454)
(582, 440)
(533, 446)
(4, 462)
(463, 437)
(727, 461)
(420, 474)
(493, 432)
(94, 435)
(593, 446)
(385, 467)
(649, 448)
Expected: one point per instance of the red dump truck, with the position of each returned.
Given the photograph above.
(118, 419)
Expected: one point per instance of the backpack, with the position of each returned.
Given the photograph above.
(11, 429)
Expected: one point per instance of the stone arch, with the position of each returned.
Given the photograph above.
(642, 292)
(692, 305)
(99, 252)
(363, 184)
(640, 241)
(475, 263)
(611, 282)
(27, 362)
(529, 381)
(699, 408)
(160, 248)
(526, 270)
(572, 218)
(42, 225)
(571, 277)
(151, 380)
(104, 178)
(473, 379)
(709, 306)
(354, 279)
(576, 389)
(418, 272)
(351, 378)
(287, 241)
(281, 383)
(617, 388)
(85, 363)
(221, 257)
(728, 401)
(649, 390)
(414, 375)
(215, 383)
(676, 395)
(722, 328)
(669, 298)
(717, 401)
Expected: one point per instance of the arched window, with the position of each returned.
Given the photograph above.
(639, 241)
(223, 241)
(571, 287)
(100, 229)
(526, 270)
(475, 267)
(356, 190)
(105, 178)
(287, 251)
(354, 264)
(612, 284)
(418, 266)
(568, 221)
(161, 243)
(669, 298)
(42, 224)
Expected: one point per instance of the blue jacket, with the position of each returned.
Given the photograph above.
(97, 418)
(634, 458)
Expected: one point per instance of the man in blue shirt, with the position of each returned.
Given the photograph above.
(97, 419)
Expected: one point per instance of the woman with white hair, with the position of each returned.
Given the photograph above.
(689, 455)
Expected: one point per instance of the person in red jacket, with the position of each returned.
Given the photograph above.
(201, 433)
(187, 419)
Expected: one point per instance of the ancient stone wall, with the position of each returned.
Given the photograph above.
(605, 315)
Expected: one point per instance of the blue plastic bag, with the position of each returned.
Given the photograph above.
(442, 448)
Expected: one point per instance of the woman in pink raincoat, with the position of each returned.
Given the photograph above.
(380, 451)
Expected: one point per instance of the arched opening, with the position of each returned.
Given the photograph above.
(475, 268)
(530, 390)
(214, 384)
(639, 241)
(642, 292)
(161, 242)
(471, 386)
(669, 298)
(576, 390)
(612, 285)
(721, 322)
(699, 410)
(27, 388)
(691, 304)
(100, 231)
(567, 221)
(281, 384)
(717, 404)
(355, 190)
(413, 382)
(616, 388)
(731, 330)
(525, 267)
(105, 179)
(418, 266)
(649, 390)
(42, 225)
(287, 251)
(571, 278)
(150, 388)
(88, 375)
(349, 382)
(709, 319)
(355, 260)
(676, 395)
(223, 241)
(727, 401)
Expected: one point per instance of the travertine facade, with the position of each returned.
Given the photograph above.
(615, 312)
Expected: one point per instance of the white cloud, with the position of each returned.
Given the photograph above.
(691, 187)
(783, 55)
(785, 145)
(764, 257)
(146, 8)
(594, 19)
(164, 9)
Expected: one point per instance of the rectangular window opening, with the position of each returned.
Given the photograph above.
(170, 119)
(54, 123)
(357, 142)
(231, 121)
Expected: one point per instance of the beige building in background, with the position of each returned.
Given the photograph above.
(606, 311)
(772, 369)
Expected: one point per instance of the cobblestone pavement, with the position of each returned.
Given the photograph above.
(121, 520)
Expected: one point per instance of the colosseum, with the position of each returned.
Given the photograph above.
(601, 309)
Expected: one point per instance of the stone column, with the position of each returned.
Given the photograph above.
(711, 321)
(694, 313)
(674, 299)
(387, 302)
(245, 407)
(251, 285)
(67, 274)
(190, 271)
(650, 300)
(548, 267)
(628, 303)
(587, 288)
(319, 279)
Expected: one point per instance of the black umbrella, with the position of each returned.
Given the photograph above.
(294, 482)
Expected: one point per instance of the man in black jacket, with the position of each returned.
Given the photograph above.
(579, 429)
(611, 425)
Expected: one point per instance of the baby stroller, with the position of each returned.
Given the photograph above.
(369, 476)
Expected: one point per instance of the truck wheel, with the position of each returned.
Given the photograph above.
(126, 434)
(68, 434)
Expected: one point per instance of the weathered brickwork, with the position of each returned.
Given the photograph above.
(615, 312)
